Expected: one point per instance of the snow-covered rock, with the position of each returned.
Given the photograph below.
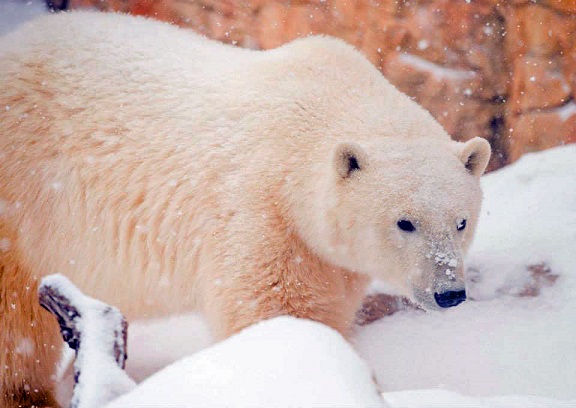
(283, 362)
(97, 332)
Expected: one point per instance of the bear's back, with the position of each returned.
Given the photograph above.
(115, 58)
(106, 37)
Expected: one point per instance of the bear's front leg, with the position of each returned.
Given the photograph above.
(30, 346)
(97, 332)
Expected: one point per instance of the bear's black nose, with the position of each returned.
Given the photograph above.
(450, 298)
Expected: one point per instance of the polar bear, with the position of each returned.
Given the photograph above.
(164, 172)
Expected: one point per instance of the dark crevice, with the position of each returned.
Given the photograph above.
(496, 126)
(498, 141)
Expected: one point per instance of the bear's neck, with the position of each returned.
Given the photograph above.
(298, 283)
(309, 287)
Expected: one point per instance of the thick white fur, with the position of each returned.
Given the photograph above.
(162, 172)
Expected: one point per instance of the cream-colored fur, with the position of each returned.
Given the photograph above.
(163, 172)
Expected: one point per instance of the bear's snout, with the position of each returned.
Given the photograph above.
(450, 298)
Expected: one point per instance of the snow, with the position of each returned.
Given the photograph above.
(283, 362)
(156, 343)
(438, 71)
(5, 244)
(567, 111)
(528, 217)
(449, 399)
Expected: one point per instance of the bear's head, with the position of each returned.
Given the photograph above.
(375, 185)
(404, 211)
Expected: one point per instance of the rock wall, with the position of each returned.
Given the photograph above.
(501, 69)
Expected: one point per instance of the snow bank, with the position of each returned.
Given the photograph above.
(450, 399)
(157, 343)
(283, 362)
(528, 217)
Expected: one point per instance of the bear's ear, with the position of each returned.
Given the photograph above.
(349, 158)
(475, 155)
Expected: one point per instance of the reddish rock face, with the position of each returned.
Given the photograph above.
(503, 70)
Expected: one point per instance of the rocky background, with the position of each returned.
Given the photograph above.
(501, 69)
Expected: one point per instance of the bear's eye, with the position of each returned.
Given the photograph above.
(353, 164)
(406, 225)
(461, 225)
